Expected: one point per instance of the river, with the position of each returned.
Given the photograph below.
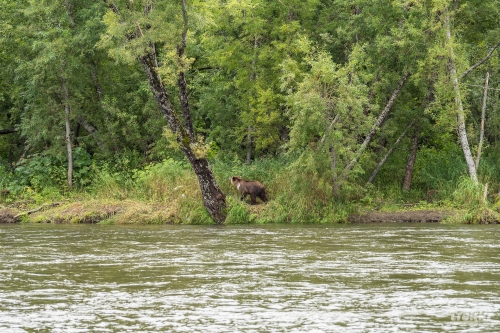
(277, 278)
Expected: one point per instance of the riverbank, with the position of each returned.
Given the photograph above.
(137, 212)
(168, 193)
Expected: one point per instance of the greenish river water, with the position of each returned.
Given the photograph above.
(279, 278)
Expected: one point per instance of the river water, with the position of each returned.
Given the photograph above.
(279, 278)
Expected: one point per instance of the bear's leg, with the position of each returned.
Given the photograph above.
(253, 198)
(262, 196)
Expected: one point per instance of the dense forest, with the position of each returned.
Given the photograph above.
(332, 104)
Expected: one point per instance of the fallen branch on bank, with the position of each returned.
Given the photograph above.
(29, 212)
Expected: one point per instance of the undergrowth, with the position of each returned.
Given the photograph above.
(168, 192)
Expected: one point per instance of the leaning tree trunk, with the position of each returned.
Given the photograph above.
(213, 198)
(462, 132)
(180, 124)
(376, 126)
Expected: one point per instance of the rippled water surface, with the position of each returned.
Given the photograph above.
(336, 278)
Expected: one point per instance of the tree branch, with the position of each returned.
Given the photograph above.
(70, 14)
(480, 62)
(483, 116)
(112, 6)
(181, 79)
(7, 131)
(384, 159)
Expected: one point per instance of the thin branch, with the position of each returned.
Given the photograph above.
(480, 62)
(185, 19)
(477, 85)
(181, 79)
(334, 121)
(139, 29)
(7, 131)
(381, 163)
(29, 212)
(483, 116)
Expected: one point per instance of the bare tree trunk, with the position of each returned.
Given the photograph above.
(95, 78)
(249, 145)
(483, 116)
(69, 148)
(213, 198)
(375, 127)
(410, 164)
(253, 75)
(384, 159)
(11, 153)
(76, 133)
(91, 129)
(462, 132)
(100, 96)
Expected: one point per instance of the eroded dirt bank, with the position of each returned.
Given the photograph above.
(422, 216)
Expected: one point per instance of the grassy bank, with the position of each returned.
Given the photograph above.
(168, 193)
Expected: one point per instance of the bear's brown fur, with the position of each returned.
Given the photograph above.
(252, 187)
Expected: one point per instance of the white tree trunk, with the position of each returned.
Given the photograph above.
(69, 148)
(67, 110)
(462, 132)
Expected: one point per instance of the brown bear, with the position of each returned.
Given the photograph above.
(252, 187)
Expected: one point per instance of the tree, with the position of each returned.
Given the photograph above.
(141, 31)
(239, 97)
(462, 133)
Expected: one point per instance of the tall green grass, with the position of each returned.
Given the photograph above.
(299, 190)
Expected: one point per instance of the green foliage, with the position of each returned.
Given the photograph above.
(5, 176)
(38, 172)
(161, 181)
(468, 194)
(294, 85)
(472, 198)
(435, 168)
(238, 213)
